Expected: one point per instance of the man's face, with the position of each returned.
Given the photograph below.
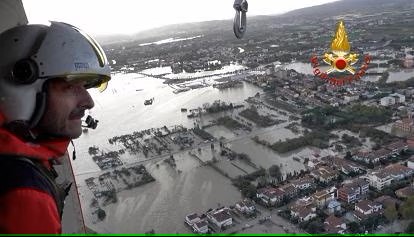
(65, 106)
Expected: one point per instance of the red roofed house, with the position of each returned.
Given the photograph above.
(335, 225)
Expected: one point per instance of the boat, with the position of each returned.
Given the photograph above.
(183, 110)
(149, 102)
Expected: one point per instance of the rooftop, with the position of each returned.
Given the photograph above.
(365, 205)
(405, 192)
(221, 215)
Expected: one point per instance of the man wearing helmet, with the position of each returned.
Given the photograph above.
(45, 72)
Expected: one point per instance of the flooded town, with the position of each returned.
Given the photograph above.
(206, 134)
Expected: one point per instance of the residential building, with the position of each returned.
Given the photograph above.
(398, 172)
(398, 98)
(303, 213)
(410, 162)
(302, 183)
(379, 179)
(313, 163)
(372, 157)
(246, 207)
(405, 125)
(324, 174)
(366, 208)
(270, 196)
(386, 201)
(397, 147)
(196, 223)
(353, 191)
(350, 98)
(382, 178)
(221, 218)
(335, 225)
(386, 101)
(303, 202)
(192, 218)
(410, 142)
(408, 61)
(322, 198)
(200, 227)
(289, 190)
(333, 206)
(405, 192)
(345, 166)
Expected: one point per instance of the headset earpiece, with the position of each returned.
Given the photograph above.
(25, 71)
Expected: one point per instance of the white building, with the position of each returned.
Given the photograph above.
(410, 162)
(246, 207)
(379, 180)
(302, 183)
(382, 178)
(386, 101)
(350, 98)
(200, 227)
(367, 207)
(304, 213)
(192, 218)
(221, 218)
(333, 206)
(398, 98)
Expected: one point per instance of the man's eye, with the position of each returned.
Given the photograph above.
(73, 88)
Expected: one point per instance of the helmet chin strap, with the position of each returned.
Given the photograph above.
(39, 109)
(24, 129)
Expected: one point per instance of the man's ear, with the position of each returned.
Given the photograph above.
(41, 104)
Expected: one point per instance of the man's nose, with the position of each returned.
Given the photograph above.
(86, 100)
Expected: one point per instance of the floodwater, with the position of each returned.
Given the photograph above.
(190, 187)
(121, 110)
(162, 205)
(401, 75)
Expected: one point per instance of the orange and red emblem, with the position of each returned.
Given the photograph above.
(340, 59)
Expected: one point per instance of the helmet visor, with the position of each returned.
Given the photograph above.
(91, 80)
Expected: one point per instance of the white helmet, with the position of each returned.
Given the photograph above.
(32, 54)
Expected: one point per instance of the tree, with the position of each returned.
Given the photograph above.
(101, 214)
(410, 228)
(262, 182)
(354, 227)
(391, 213)
(275, 172)
(249, 191)
(348, 155)
(407, 208)
(315, 227)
